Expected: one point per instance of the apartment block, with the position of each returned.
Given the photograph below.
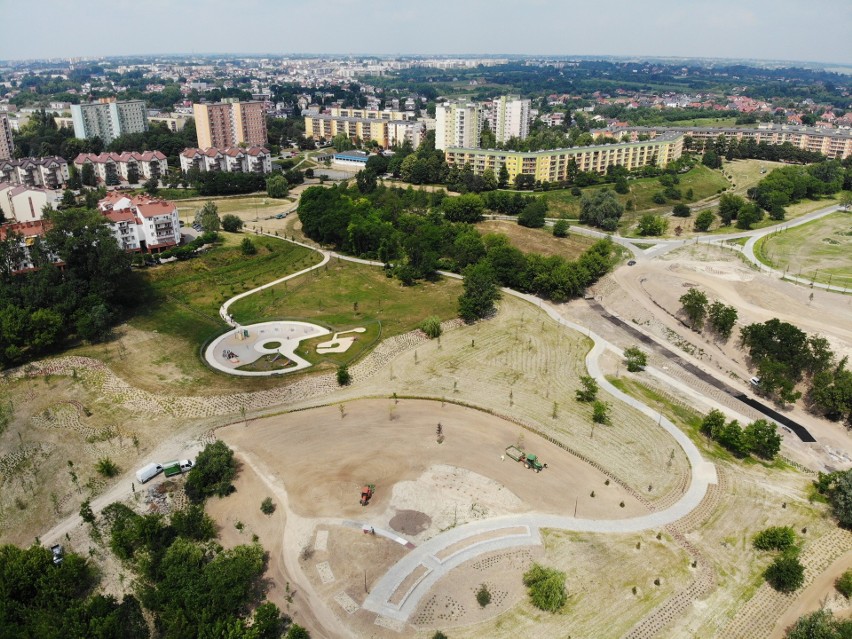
(50, 172)
(7, 147)
(228, 124)
(26, 204)
(457, 125)
(510, 118)
(385, 133)
(28, 234)
(553, 165)
(832, 143)
(141, 223)
(108, 119)
(111, 167)
(255, 159)
(371, 114)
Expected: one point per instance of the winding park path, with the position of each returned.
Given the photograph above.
(436, 557)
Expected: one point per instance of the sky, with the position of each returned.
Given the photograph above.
(807, 30)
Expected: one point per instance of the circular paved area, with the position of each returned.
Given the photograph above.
(247, 344)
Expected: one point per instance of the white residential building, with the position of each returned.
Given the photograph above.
(110, 167)
(511, 118)
(6, 145)
(254, 159)
(457, 124)
(109, 119)
(50, 172)
(140, 222)
(24, 204)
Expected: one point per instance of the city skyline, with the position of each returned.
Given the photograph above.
(746, 29)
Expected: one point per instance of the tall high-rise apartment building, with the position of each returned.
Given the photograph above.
(108, 119)
(457, 124)
(228, 124)
(6, 145)
(511, 118)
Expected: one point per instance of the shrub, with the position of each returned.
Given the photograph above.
(600, 412)
(546, 587)
(589, 391)
(267, 507)
(844, 584)
(483, 596)
(297, 632)
(431, 326)
(343, 376)
(231, 223)
(106, 467)
(650, 224)
(681, 210)
(248, 247)
(560, 228)
(636, 359)
(785, 574)
(704, 220)
(658, 198)
(775, 538)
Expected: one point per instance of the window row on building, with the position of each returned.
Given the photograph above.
(554, 165)
(130, 166)
(255, 159)
(49, 172)
(385, 133)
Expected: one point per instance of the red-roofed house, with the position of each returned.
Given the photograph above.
(111, 167)
(30, 234)
(140, 222)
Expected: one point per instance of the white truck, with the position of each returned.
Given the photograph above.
(147, 472)
(173, 468)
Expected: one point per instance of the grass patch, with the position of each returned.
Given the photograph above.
(704, 183)
(540, 241)
(342, 296)
(259, 205)
(186, 296)
(173, 194)
(726, 122)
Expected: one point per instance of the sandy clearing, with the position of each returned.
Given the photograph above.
(323, 460)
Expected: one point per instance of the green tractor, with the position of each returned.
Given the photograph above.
(527, 459)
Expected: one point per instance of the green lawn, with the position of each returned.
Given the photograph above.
(186, 296)
(343, 295)
(246, 206)
(820, 250)
(704, 183)
(726, 122)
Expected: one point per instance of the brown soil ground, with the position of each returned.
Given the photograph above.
(324, 459)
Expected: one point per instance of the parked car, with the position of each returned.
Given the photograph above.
(58, 554)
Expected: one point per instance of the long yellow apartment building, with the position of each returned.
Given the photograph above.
(552, 165)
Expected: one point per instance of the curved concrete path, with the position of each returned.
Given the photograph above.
(703, 473)
(429, 554)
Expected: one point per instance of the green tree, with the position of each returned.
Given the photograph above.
(762, 439)
(68, 198)
(722, 318)
(231, 223)
(533, 214)
(366, 181)
(600, 412)
(152, 185)
(704, 220)
(694, 305)
(840, 497)
(502, 177)
(636, 359)
(713, 423)
(208, 217)
(267, 506)
(546, 587)
(775, 538)
(711, 159)
(560, 228)
(87, 174)
(817, 625)
(650, 224)
(621, 186)
(344, 377)
(480, 292)
(601, 209)
(193, 523)
(213, 472)
(589, 392)
(786, 573)
(277, 186)
(681, 210)
(748, 215)
(133, 174)
(729, 208)
(247, 247)
(297, 632)
(464, 208)
(844, 584)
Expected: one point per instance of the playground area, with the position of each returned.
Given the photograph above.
(260, 349)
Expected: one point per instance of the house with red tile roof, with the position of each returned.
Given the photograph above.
(112, 168)
(140, 222)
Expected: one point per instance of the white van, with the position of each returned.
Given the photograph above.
(147, 472)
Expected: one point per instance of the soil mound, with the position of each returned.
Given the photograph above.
(410, 522)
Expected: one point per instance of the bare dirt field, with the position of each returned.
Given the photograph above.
(324, 459)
